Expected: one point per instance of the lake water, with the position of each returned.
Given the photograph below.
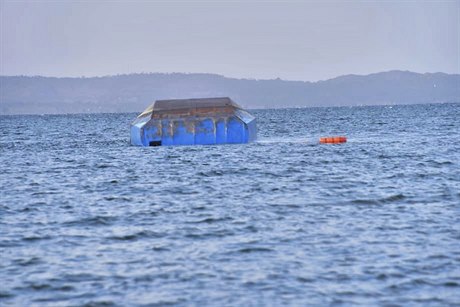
(87, 219)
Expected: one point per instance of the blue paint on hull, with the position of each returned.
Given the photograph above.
(226, 126)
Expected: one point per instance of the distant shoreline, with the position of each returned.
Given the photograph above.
(228, 77)
(134, 92)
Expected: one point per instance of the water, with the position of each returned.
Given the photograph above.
(87, 219)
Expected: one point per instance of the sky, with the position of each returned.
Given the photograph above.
(291, 40)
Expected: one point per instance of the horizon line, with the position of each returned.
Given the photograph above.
(391, 105)
(221, 75)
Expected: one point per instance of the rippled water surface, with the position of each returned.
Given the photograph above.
(85, 218)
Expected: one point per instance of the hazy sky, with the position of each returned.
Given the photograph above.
(293, 40)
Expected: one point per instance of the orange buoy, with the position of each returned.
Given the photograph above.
(333, 140)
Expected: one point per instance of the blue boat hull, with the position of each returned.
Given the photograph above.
(223, 127)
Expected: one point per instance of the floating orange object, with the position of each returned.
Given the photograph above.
(333, 140)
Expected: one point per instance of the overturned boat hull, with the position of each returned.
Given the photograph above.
(193, 122)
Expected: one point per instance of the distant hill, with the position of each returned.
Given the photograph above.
(134, 92)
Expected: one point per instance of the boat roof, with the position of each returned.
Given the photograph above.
(194, 103)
